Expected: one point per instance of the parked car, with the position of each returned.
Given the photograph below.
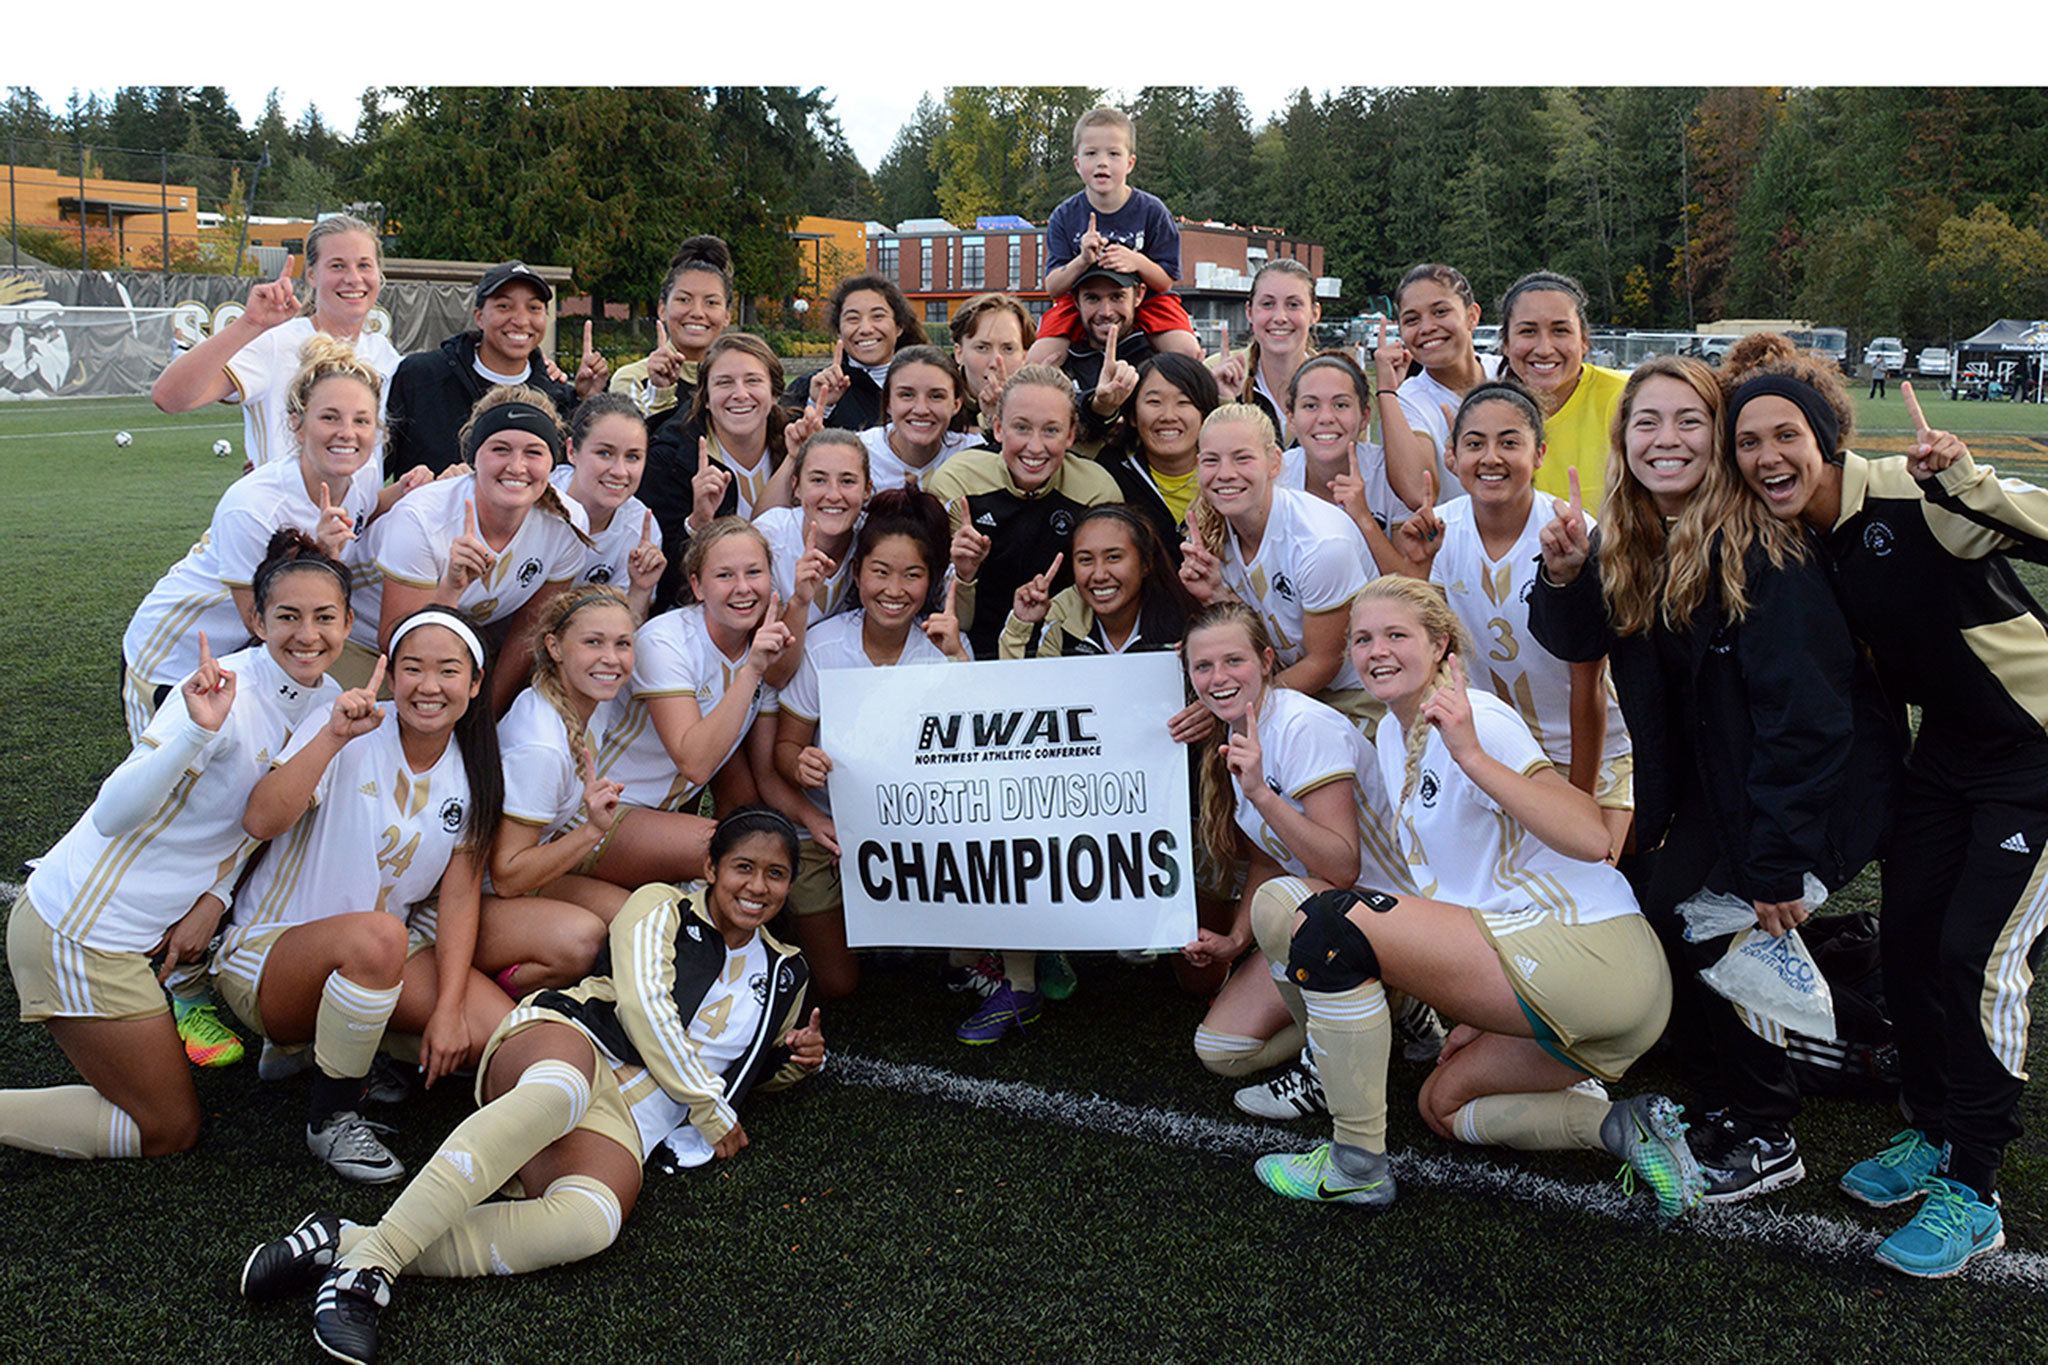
(1713, 348)
(1890, 350)
(1935, 361)
(1486, 339)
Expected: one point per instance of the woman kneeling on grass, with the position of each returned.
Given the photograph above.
(1523, 933)
(696, 1007)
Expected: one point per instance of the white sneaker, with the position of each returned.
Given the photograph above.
(276, 1063)
(348, 1142)
(1295, 1093)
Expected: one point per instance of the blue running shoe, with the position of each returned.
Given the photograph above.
(1950, 1228)
(1007, 1009)
(1897, 1175)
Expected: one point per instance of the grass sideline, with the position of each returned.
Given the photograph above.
(869, 1220)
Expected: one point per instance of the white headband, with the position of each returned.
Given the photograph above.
(446, 619)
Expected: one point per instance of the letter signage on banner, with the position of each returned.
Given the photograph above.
(1006, 805)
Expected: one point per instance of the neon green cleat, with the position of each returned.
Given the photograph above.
(208, 1042)
(1653, 1146)
(1316, 1176)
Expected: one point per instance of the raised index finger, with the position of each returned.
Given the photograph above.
(660, 335)
(205, 651)
(586, 336)
(1913, 410)
(469, 517)
(952, 587)
(1052, 570)
(1109, 348)
(647, 527)
(1578, 505)
(377, 676)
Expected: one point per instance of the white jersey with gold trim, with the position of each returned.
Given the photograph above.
(837, 644)
(542, 787)
(1464, 849)
(886, 469)
(1311, 559)
(1491, 596)
(162, 641)
(784, 528)
(410, 545)
(264, 369)
(378, 836)
(1380, 499)
(673, 656)
(1305, 745)
(120, 894)
(750, 486)
(614, 545)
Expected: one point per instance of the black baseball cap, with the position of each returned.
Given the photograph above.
(1122, 277)
(498, 276)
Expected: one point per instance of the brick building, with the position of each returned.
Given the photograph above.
(937, 265)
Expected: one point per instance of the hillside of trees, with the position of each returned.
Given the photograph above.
(1905, 210)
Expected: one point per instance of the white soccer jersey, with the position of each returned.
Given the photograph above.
(378, 836)
(1463, 848)
(784, 527)
(1491, 596)
(1312, 559)
(673, 656)
(410, 544)
(614, 545)
(121, 894)
(721, 1029)
(750, 486)
(263, 371)
(1423, 400)
(1304, 745)
(162, 642)
(837, 644)
(886, 469)
(1381, 501)
(542, 787)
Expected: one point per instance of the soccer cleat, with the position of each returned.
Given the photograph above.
(1056, 979)
(1007, 1009)
(208, 1042)
(1897, 1175)
(1654, 1148)
(980, 977)
(1948, 1229)
(1420, 1029)
(1316, 1176)
(295, 1262)
(345, 1313)
(1742, 1160)
(1296, 1093)
(348, 1142)
(387, 1082)
(276, 1063)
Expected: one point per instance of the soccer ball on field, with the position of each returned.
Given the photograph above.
(122, 438)
(223, 447)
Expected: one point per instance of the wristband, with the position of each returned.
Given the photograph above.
(1386, 393)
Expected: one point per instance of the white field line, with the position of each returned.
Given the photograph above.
(1803, 1234)
(137, 430)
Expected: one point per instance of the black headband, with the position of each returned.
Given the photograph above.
(270, 571)
(1820, 414)
(513, 417)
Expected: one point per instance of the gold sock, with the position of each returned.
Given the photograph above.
(1351, 1035)
(485, 1150)
(1231, 1054)
(73, 1121)
(1020, 969)
(1274, 906)
(349, 1025)
(1549, 1121)
(577, 1216)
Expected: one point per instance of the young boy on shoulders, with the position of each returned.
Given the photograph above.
(1112, 225)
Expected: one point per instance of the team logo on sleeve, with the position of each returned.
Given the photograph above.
(451, 814)
(1429, 788)
(758, 984)
(529, 571)
(785, 978)
(1878, 539)
(601, 573)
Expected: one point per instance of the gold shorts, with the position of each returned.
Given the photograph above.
(596, 855)
(608, 1116)
(138, 702)
(354, 667)
(816, 887)
(60, 978)
(238, 966)
(1356, 705)
(1603, 989)
(1615, 787)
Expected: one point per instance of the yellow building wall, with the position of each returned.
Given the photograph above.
(39, 193)
(828, 250)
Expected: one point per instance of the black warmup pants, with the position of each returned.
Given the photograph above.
(1965, 902)
(1726, 1063)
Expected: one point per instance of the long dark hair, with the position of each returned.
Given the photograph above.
(476, 739)
(914, 513)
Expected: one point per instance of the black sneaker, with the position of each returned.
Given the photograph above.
(295, 1262)
(345, 1313)
(1742, 1160)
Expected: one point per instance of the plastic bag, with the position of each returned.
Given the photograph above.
(1773, 977)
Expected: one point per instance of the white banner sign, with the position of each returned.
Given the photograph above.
(1031, 803)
